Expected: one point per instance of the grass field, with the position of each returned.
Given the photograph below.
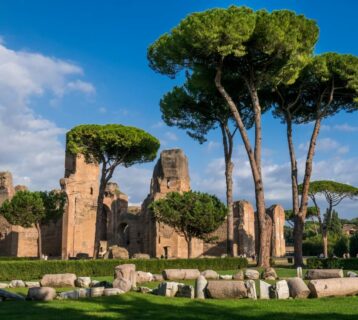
(146, 306)
(138, 306)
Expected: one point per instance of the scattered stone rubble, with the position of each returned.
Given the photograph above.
(208, 284)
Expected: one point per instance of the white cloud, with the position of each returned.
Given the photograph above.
(30, 146)
(82, 86)
(326, 145)
(276, 177)
(345, 127)
(171, 136)
(212, 145)
(134, 181)
(159, 124)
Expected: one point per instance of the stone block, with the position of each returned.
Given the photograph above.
(168, 289)
(210, 274)
(226, 289)
(181, 274)
(112, 292)
(333, 287)
(143, 277)
(97, 292)
(313, 274)
(58, 280)
(251, 289)
(298, 288)
(251, 274)
(185, 291)
(41, 294)
(264, 290)
(32, 284)
(83, 282)
(17, 284)
(200, 287)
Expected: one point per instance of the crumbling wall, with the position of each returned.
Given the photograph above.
(171, 174)
(278, 244)
(80, 184)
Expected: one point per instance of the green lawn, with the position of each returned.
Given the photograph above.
(139, 306)
(146, 306)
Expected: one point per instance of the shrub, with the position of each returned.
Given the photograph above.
(312, 248)
(30, 270)
(332, 263)
(341, 246)
(353, 245)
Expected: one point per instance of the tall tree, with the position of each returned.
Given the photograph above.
(28, 209)
(327, 85)
(110, 145)
(334, 193)
(254, 50)
(192, 214)
(198, 108)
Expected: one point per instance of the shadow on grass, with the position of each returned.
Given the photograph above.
(137, 306)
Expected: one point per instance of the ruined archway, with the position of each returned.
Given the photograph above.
(124, 235)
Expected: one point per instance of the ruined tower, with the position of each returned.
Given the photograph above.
(171, 174)
(7, 189)
(79, 220)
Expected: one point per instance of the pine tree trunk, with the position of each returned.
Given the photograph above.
(101, 191)
(325, 242)
(190, 248)
(255, 161)
(230, 206)
(304, 197)
(39, 240)
(298, 229)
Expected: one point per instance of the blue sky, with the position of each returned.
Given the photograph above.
(64, 63)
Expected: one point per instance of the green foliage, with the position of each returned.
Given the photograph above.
(331, 187)
(54, 203)
(333, 223)
(112, 142)
(327, 85)
(341, 246)
(311, 212)
(268, 47)
(27, 208)
(194, 214)
(353, 245)
(332, 263)
(31, 270)
(198, 107)
(312, 247)
(24, 209)
(203, 37)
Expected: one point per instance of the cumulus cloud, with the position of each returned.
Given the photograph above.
(326, 145)
(30, 145)
(345, 127)
(276, 179)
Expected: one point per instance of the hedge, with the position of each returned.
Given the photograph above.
(332, 263)
(30, 270)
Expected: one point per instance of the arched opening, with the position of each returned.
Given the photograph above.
(124, 239)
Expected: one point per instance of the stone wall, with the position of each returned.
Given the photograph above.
(133, 228)
(7, 189)
(80, 184)
(278, 244)
(23, 242)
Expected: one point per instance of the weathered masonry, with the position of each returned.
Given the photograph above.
(129, 227)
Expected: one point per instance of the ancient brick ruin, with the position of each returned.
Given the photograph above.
(129, 227)
(22, 242)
